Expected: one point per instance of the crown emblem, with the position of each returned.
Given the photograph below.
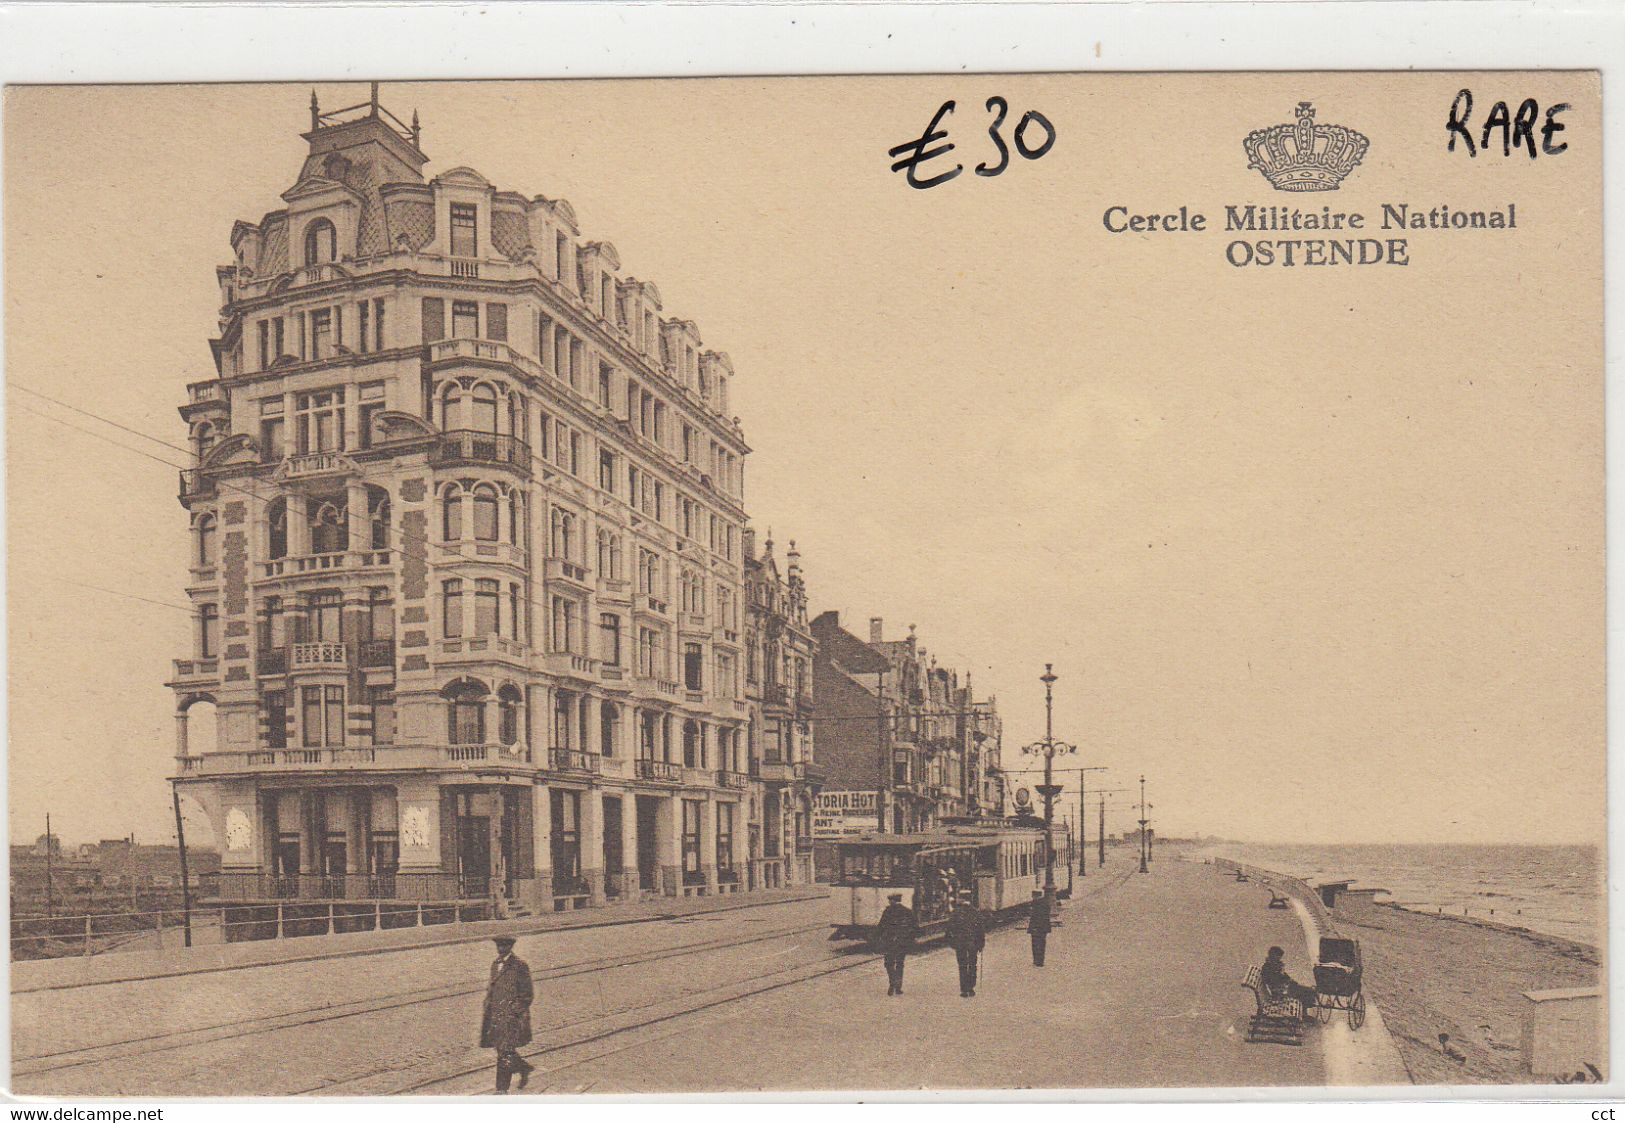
(1305, 156)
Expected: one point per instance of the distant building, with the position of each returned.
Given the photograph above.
(900, 737)
(779, 651)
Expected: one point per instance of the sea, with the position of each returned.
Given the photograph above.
(1557, 890)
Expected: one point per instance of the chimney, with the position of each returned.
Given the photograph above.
(748, 538)
(876, 628)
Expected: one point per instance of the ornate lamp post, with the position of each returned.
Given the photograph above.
(1048, 748)
(1143, 821)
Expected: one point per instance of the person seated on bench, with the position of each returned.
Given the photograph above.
(1274, 978)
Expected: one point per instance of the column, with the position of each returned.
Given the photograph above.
(669, 844)
(708, 843)
(542, 848)
(741, 839)
(493, 717)
(592, 716)
(298, 524)
(309, 838)
(355, 838)
(358, 534)
(592, 843)
(180, 734)
(630, 875)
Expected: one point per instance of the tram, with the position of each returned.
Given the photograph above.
(999, 864)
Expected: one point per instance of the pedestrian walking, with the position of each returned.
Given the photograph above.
(1038, 925)
(896, 932)
(967, 936)
(505, 1021)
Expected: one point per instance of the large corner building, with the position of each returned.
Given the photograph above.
(468, 561)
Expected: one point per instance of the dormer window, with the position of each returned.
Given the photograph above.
(464, 218)
(321, 242)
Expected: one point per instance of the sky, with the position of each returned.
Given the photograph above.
(1318, 552)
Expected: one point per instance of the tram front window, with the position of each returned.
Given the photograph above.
(875, 867)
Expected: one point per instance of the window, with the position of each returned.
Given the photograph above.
(726, 686)
(321, 333)
(609, 722)
(725, 837)
(485, 513)
(324, 615)
(208, 630)
(321, 242)
(381, 701)
(609, 555)
(562, 258)
(465, 320)
(451, 514)
(380, 615)
(364, 319)
(604, 378)
(322, 715)
(451, 608)
(319, 418)
(272, 634)
(566, 625)
(378, 518)
(609, 646)
(496, 322)
(484, 416)
(544, 340)
(434, 319)
(691, 841)
(372, 404)
(276, 719)
(487, 606)
(693, 666)
(378, 325)
(606, 471)
(564, 542)
(465, 716)
(276, 520)
(464, 218)
(205, 540)
(651, 653)
(514, 599)
(508, 712)
(329, 527)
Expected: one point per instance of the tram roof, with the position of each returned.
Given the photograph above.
(951, 837)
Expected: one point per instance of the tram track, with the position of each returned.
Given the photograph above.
(192, 1037)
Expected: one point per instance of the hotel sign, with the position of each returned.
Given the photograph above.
(844, 814)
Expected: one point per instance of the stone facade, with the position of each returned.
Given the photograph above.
(475, 504)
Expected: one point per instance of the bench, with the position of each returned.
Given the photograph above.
(1277, 901)
(1278, 1019)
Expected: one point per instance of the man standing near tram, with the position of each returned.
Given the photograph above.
(1038, 925)
(967, 935)
(896, 935)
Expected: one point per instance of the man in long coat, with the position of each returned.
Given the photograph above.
(1038, 925)
(505, 1021)
(967, 936)
(896, 933)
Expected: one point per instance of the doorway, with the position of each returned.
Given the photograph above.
(648, 856)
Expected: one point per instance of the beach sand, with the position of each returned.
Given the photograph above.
(1434, 974)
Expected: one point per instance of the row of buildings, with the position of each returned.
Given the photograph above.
(479, 609)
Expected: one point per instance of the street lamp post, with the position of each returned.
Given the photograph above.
(1048, 748)
(1143, 821)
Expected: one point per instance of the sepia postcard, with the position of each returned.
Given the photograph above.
(806, 584)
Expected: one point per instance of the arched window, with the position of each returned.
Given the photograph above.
(378, 517)
(485, 513)
(465, 712)
(205, 540)
(451, 410)
(485, 409)
(205, 438)
(329, 532)
(508, 701)
(451, 514)
(276, 545)
(321, 242)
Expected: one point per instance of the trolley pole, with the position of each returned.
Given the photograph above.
(883, 790)
(50, 905)
(186, 882)
(1143, 821)
(1102, 828)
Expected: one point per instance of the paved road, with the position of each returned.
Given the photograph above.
(1141, 990)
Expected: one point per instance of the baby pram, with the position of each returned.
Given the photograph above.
(1337, 980)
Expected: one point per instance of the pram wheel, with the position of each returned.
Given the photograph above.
(1357, 1010)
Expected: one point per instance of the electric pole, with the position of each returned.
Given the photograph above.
(1144, 854)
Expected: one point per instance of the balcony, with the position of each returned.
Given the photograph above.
(775, 694)
(205, 392)
(654, 685)
(353, 758)
(559, 569)
(194, 484)
(315, 465)
(572, 760)
(650, 606)
(611, 672)
(481, 648)
(571, 665)
(377, 653)
(468, 446)
(783, 771)
(734, 780)
(695, 622)
(659, 771)
(188, 670)
(614, 588)
(321, 656)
